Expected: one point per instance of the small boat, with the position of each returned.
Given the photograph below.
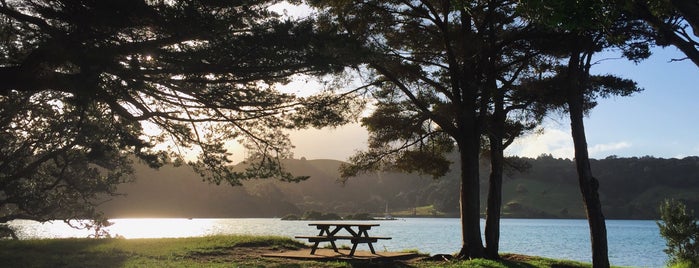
(386, 215)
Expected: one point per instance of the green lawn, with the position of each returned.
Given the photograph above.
(212, 251)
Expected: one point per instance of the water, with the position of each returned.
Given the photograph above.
(631, 243)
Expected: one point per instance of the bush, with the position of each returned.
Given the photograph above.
(681, 232)
(317, 216)
(7, 232)
(291, 217)
(359, 217)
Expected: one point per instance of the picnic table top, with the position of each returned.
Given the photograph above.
(343, 224)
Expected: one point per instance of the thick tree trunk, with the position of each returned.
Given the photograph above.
(469, 150)
(588, 184)
(494, 203)
(492, 218)
(472, 246)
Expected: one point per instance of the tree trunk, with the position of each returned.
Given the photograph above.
(494, 203)
(469, 150)
(588, 184)
(493, 210)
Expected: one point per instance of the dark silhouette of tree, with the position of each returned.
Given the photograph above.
(87, 82)
(440, 70)
(585, 28)
(676, 22)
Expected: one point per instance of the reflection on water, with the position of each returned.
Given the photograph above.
(631, 243)
(155, 228)
(126, 228)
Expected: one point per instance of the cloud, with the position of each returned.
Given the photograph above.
(603, 148)
(559, 144)
(552, 141)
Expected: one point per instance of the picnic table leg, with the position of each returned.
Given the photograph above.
(334, 246)
(314, 247)
(332, 242)
(371, 248)
(317, 243)
(354, 247)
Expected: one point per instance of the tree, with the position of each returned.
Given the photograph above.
(88, 83)
(434, 66)
(676, 22)
(585, 28)
(57, 162)
(681, 232)
(510, 114)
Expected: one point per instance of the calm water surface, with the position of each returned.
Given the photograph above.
(631, 243)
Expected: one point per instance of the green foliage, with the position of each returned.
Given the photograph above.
(315, 215)
(679, 228)
(674, 23)
(359, 217)
(682, 264)
(7, 232)
(629, 187)
(59, 159)
(318, 216)
(291, 217)
(87, 84)
(442, 74)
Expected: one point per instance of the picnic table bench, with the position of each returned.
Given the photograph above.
(328, 233)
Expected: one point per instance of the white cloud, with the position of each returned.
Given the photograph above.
(598, 149)
(559, 144)
(552, 141)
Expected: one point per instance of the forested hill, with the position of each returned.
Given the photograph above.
(630, 188)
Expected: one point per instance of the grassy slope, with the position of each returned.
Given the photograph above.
(213, 251)
(531, 198)
(524, 198)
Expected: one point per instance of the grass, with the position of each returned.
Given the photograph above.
(165, 252)
(210, 251)
(546, 197)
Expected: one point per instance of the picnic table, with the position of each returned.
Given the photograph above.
(358, 234)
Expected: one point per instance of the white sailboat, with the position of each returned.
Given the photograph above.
(386, 215)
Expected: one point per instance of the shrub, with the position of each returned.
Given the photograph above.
(7, 232)
(291, 217)
(681, 232)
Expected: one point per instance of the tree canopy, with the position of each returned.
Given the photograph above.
(437, 67)
(675, 22)
(87, 83)
(449, 73)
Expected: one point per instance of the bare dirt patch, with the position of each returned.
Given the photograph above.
(252, 255)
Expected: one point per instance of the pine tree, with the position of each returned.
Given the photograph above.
(679, 228)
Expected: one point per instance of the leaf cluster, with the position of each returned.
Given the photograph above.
(59, 160)
(87, 83)
(679, 228)
(436, 62)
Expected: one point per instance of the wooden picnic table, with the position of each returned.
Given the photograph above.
(358, 233)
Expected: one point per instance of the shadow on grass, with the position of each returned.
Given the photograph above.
(59, 253)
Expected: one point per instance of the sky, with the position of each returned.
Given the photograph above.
(660, 121)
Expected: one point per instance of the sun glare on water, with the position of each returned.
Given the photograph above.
(159, 227)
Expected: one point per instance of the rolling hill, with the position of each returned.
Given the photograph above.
(630, 188)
